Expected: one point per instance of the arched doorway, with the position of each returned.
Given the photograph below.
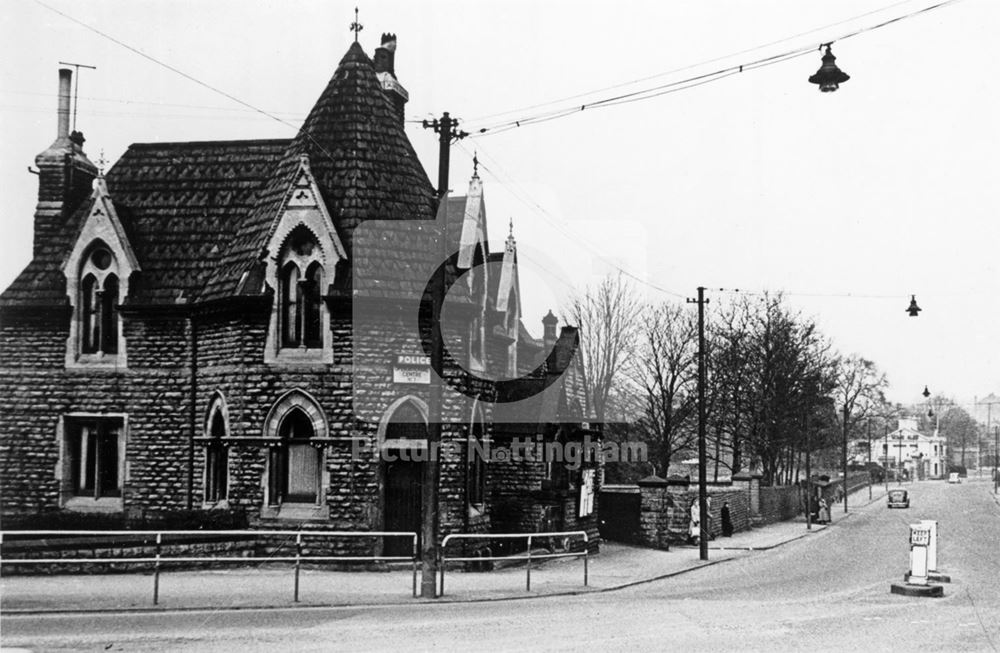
(403, 441)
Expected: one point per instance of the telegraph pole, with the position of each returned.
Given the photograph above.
(885, 470)
(430, 501)
(869, 458)
(847, 414)
(809, 486)
(702, 484)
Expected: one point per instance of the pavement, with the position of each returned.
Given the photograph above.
(617, 566)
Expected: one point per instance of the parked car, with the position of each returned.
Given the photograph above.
(954, 478)
(899, 499)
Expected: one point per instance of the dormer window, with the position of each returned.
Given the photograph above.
(306, 251)
(98, 271)
(300, 286)
(97, 306)
(301, 293)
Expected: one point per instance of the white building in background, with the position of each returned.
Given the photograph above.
(922, 456)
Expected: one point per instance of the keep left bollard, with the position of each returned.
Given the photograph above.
(916, 580)
(933, 574)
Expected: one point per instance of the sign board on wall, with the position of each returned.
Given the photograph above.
(586, 493)
(411, 368)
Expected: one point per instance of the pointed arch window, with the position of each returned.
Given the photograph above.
(300, 292)
(295, 464)
(98, 302)
(216, 456)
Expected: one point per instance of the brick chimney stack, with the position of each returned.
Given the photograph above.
(65, 174)
(385, 70)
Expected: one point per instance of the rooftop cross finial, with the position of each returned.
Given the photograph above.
(511, 234)
(101, 162)
(475, 164)
(356, 26)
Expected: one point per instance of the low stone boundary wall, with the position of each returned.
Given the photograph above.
(656, 512)
(779, 503)
(119, 547)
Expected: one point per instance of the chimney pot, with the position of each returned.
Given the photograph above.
(549, 323)
(65, 83)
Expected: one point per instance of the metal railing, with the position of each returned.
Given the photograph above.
(528, 557)
(156, 538)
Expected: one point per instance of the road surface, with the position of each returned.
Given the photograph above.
(829, 592)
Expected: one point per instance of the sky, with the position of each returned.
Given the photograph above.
(849, 202)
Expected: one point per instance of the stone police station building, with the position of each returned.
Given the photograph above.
(232, 327)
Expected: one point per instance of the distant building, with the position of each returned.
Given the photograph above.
(922, 456)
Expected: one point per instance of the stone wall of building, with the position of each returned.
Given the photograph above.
(665, 511)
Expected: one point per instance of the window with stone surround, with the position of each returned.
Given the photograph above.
(296, 476)
(300, 294)
(93, 461)
(97, 312)
(98, 270)
(476, 464)
(295, 463)
(303, 253)
(216, 482)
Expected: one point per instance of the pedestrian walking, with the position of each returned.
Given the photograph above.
(824, 512)
(727, 521)
(694, 528)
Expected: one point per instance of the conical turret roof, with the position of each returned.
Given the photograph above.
(363, 163)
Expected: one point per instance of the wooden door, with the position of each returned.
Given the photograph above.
(403, 483)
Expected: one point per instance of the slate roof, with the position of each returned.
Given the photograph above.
(198, 215)
(365, 168)
(182, 204)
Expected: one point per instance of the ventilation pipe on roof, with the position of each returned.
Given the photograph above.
(65, 84)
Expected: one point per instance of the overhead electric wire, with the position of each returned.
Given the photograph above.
(625, 98)
(522, 195)
(185, 75)
(481, 130)
(690, 66)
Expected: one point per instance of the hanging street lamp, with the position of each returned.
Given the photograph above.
(829, 76)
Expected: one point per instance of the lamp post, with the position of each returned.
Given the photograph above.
(885, 472)
(899, 460)
(996, 454)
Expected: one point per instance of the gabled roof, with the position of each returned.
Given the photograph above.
(198, 215)
(179, 205)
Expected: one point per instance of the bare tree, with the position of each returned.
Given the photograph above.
(665, 372)
(860, 391)
(607, 316)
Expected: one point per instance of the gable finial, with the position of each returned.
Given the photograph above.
(511, 234)
(475, 164)
(356, 26)
(101, 162)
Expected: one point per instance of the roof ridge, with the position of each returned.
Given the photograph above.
(234, 143)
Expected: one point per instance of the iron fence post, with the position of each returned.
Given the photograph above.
(415, 556)
(156, 570)
(528, 583)
(298, 561)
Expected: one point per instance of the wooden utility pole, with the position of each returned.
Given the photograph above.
(430, 500)
(869, 459)
(702, 467)
(809, 487)
(847, 414)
